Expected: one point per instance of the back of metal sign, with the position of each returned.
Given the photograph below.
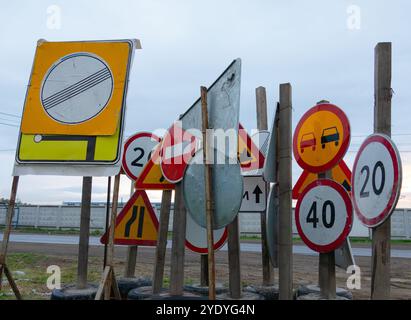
(343, 255)
(270, 163)
(272, 225)
(223, 104)
(227, 186)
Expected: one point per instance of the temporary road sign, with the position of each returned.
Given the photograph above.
(340, 173)
(321, 138)
(69, 149)
(151, 177)
(137, 152)
(223, 104)
(254, 194)
(196, 237)
(376, 180)
(250, 157)
(178, 148)
(77, 87)
(227, 186)
(270, 163)
(272, 226)
(323, 215)
(137, 223)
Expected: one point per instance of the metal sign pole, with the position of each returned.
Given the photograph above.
(107, 218)
(6, 237)
(162, 241)
(82, 266)
(262, 124)
(207, 153)
(285, 237)
(381, 235)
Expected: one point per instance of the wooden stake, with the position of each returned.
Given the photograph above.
(234, 265)
(130, 270)
(107, 219)
(178, 243)
(108, 283)
(326, 267)
(381, 235)
(6, 238)
(82, 265)
(162, 241)
(285, 237)
(262, 124)
(204, 270)
(207, 153)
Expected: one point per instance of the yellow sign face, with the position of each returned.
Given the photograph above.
(340, 174)
(321, 138)
(250, 157)
(136, 224)
(77, 88)
(69, 149)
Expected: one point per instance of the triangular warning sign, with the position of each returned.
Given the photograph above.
(250, 157)
(340, 173)
(151, 178)
(136, 224)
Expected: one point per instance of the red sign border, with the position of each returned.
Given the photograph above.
(344, 146)
(134, 137)
(349, 221)
(395, 191)
(217, 245)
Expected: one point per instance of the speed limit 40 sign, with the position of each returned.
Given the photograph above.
(323, 215)
(376, 180)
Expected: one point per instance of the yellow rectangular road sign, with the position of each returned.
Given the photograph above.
(77, 87)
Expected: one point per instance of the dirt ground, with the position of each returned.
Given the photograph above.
(29, 263)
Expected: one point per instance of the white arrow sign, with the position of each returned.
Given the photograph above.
(254, 194)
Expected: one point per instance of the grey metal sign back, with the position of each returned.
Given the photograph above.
(227, 186)
(270, 163)
(272, 224)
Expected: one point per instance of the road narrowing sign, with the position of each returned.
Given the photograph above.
(340, 173)
(136, 223)
(321, 138)
(323, 215)
(376, 180)
(177, 149)
(137, 152)
(254, 194)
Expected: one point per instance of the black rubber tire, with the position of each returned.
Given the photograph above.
(245, 296)
(184, 296)
(70, 292)
(127, 284)
(141, 293)
(308, 289)
(203, 291)
(268, 293)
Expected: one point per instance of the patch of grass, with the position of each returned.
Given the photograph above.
(52, 231)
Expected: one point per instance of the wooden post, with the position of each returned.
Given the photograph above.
(178, 243)
(108, 283)
(234, 265)
(326, 267)
(204, 270)
(6, 238)
(381, 235)
(130, 270)
(107, 218)
(82, 266)
(207, 156)
(285, 237)
(262, 124)
(162, 241)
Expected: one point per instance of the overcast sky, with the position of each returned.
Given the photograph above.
(325, 49)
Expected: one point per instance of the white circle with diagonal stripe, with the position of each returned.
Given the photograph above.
(76, 88)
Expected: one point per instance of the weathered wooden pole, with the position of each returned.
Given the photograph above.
(161, 248)
(178, 243)
(262, 124)
(207, 156)
(204, 270)
(285, 237)
(108, 201)
(82, 266)
(381, 235)
(234, 264)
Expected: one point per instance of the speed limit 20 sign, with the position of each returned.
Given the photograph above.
(323, 215)
(376, 180)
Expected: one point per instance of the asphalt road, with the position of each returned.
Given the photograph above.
(245, 247)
